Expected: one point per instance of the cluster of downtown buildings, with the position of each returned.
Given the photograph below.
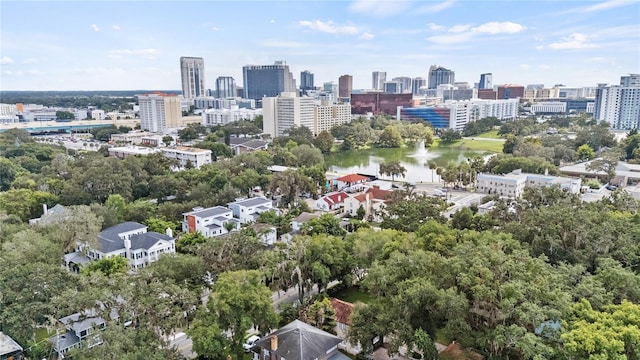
(271, 90)
(438, 99)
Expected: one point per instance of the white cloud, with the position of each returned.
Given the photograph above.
(30, 61)
(525, 66)
(573, 41)
(95, 27)
(215, 28)
(544, 67)
(430, 9)
(272, 21)
(459, 28)
(31, 72)
(115, 27)
(329, 27)
(367, 36)
(435, 27)
(379, 8)
(495, 27)
(539, 47)
(5, 60)
(466, 32)
(609, 5)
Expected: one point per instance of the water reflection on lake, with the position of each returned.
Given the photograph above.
(415, 160)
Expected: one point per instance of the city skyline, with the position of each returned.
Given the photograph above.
(137, 45)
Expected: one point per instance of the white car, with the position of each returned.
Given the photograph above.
(250, 342)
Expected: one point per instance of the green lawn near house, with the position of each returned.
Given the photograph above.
(43, 333)
(352, 294)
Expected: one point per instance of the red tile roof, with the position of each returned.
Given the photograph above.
(343, 310)
(377, 193)
(353, 178)
(336, 198)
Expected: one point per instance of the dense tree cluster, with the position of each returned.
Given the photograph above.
(381, 132)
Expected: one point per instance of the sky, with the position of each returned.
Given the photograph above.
(118, 45)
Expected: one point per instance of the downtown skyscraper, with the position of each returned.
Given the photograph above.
(378, 79)
(267, 80)
(306, 81)
(192, 74)
(486, 81)
(225, 87)
(438, 75)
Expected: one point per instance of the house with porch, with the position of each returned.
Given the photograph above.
(79, 329)
(298, 341)
(209, 222)
(130, 240)
(248, 210)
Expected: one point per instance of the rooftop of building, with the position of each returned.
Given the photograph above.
(251, 202)
(8, 345)
(208, 212)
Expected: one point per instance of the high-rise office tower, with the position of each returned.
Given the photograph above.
(510, 91)
(345, 86)
(267, 80)
(392, 87)
(192, 73)
(306, 81)
(486, 81)
(159, 111)
(378, 79)
(225, 87)
(619, 105)
(405, 84)
(439, 75)
(417, 84)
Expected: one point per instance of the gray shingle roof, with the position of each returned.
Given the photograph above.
(208, 212)
(147, 240)
(8, 345)
(251, 202)
(110, 240)
(64, 341)
(300, 341)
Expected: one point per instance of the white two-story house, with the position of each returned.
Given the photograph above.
(209, 222)
(248, 210)
(130, 240)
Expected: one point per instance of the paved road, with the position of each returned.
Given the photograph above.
(183, 343)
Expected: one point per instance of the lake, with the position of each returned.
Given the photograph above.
(415, 160)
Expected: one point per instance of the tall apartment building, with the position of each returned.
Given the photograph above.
(192, 74)
(438, 75)
(417, 84)
(619, 105)
(267, 80)
(630, 80)
(486, 81)
(378, 78)
(331, 88)
(306, 81)
(159, 111)
(345, 86)
(328, 115)
(285, 111)
(225, 87)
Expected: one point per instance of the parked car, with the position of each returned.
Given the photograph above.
(611, 187)
(250, 342)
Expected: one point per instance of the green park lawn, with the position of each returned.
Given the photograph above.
(493, 134)
(477, 144)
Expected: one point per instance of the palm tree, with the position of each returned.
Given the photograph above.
(432, 166)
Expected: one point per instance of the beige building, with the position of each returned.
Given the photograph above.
(159, 111)
(283, 112)
(185, 155)
(328, 115)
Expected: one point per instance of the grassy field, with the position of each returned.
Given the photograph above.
(493, 134)
(478, 144)
(352, 294)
